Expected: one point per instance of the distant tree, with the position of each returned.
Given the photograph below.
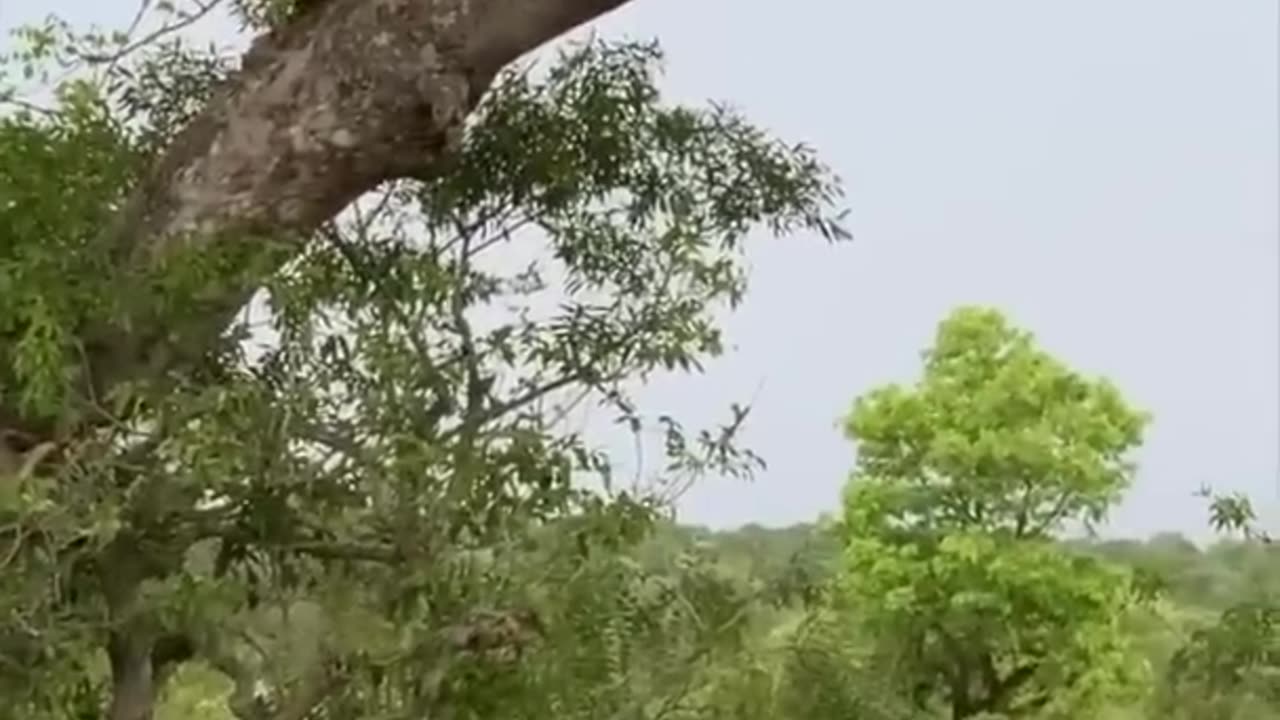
(960, 484)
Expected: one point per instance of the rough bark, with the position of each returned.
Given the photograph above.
(133, 687)
(351, 94)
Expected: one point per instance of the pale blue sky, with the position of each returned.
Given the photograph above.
(1103, 170)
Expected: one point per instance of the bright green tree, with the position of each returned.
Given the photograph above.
(949, 518)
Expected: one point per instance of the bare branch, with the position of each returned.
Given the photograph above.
(183, 21)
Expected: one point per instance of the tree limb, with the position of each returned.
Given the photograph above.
(324, 109)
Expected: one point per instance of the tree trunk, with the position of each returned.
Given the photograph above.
(352, 93)
(133, 689)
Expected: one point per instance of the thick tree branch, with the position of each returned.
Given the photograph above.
(349, 95)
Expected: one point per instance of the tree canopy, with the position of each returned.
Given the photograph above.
(960, 482)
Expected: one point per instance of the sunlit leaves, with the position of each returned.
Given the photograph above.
(961, 481)
(996, 434)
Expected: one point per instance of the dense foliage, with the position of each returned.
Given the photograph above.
(949, 519)
(366, 502)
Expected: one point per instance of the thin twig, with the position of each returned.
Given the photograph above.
(185, 20)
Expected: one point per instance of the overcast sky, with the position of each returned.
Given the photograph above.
(1105, 171)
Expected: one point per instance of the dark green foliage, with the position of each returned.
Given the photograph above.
(366, 501)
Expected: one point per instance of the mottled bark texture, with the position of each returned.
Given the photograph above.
(354, 92)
